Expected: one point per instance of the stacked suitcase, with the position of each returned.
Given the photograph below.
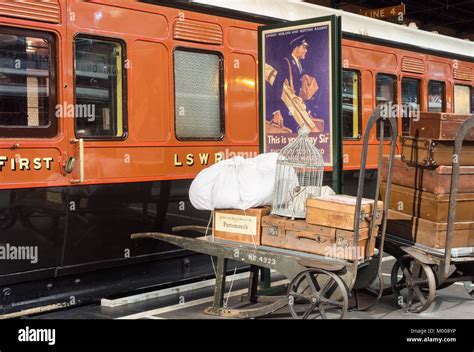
(421, 180)
(327, 230)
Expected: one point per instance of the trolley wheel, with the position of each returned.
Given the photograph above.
(317, 293)
(415, 288)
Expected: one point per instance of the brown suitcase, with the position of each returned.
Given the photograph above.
(431, 153)
(429, 206)
(338, 211)
(439, 126)
(298, 235)
(428, 233)
(437, 181)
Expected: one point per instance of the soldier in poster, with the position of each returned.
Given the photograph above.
(291, 88)
(297, 86)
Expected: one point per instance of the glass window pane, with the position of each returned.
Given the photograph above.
(197, 95)
(351, 116)
(98, 111)
(386, 90)
(24, 81)
(436, 96)
(410, 102)
(462, 99)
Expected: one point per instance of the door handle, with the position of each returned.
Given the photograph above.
(80, 142)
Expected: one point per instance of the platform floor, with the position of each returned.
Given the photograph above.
(453, 302)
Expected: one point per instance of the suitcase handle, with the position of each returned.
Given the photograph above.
(309, 237)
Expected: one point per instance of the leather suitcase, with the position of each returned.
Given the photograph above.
(437, 181)
(432, 153)
(339, 210)
(439, 126)
(429, 206)
(428, 233)
(300, 236)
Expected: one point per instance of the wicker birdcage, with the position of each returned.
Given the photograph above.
(299, 175)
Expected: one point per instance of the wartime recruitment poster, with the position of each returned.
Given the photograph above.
(296, 85)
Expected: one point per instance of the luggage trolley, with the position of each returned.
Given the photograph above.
(319, 286)
(420, 270)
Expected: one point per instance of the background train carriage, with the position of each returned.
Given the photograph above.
(147, 94)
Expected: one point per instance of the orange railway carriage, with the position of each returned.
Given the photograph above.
(112, 73)
(109, 108)
(409, 78)
(146, 124)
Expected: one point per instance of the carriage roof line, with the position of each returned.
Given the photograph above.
(351, 23)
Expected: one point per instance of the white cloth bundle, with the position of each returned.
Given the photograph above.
(236, 183)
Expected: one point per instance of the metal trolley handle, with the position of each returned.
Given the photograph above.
(456, 166)
(375, 116)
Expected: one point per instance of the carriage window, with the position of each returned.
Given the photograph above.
(386, 90)
(99, 88)
(410, 102)
(462, 99)
(351, 112)
(436, 96)
(26, 84)
(198, 95)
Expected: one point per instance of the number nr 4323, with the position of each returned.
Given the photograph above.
(261, 259)
(255, 258)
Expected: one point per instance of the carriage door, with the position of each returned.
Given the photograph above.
(32, 147)
(98, 101)
(30, 150)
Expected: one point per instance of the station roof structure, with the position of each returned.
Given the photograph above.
(451, 17)
(407, 32)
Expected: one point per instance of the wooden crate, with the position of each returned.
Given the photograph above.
(298, 235)
(338, 211)
(239, 225)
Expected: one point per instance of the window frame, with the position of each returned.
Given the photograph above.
(420, 98)
(221, 94)
(124, 86)
(359, 88)
(52, 129)
(396, 102)
(470, 96)
(443, 105)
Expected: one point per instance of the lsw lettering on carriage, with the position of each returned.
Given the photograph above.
(25, 164)
(37, 335)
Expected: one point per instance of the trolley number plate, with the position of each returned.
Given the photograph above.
(255, 258)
